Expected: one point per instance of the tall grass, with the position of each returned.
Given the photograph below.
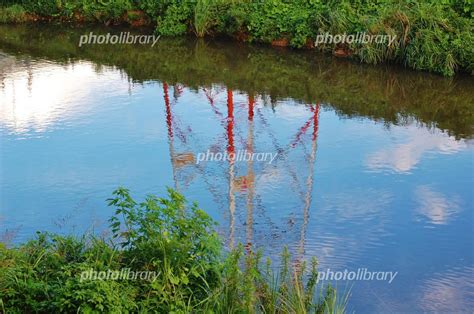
(171, 238)
(428, 38)
(204, 16)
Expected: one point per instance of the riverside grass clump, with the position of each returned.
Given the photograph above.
(13, 14)
(175, 241)
(431, 35)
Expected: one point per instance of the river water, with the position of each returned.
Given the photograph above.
(374, 166)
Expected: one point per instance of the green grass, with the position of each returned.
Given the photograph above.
(172, 238)
(12, 14)
(205, 15)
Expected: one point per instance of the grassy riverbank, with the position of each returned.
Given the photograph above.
(431, 35)
(172, 240)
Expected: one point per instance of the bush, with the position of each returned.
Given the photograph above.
(275, 19)
(176, 18)
(169, 237)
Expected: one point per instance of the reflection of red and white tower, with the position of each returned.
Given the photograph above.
(247, 183)
(231, 149)
(244, 183)
(250, 178)
(182, 159)
(169, 125)
(309, 181)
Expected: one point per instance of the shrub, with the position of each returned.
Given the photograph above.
(176, 18)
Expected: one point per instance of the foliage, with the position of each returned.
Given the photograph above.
(176, 18)
(40, 7)
(174, 240)
(93, 10)
(104, 10)
(12, 14)
(269, 20)
(431, 35)
(206, 15)
(152, 7)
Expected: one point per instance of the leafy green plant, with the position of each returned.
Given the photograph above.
(161, 234)
(176, 18)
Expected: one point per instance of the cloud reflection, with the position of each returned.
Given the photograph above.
(436, 206)
(36, 95)
(450, 292)
(404, 157)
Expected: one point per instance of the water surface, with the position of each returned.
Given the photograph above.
(374, 168)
